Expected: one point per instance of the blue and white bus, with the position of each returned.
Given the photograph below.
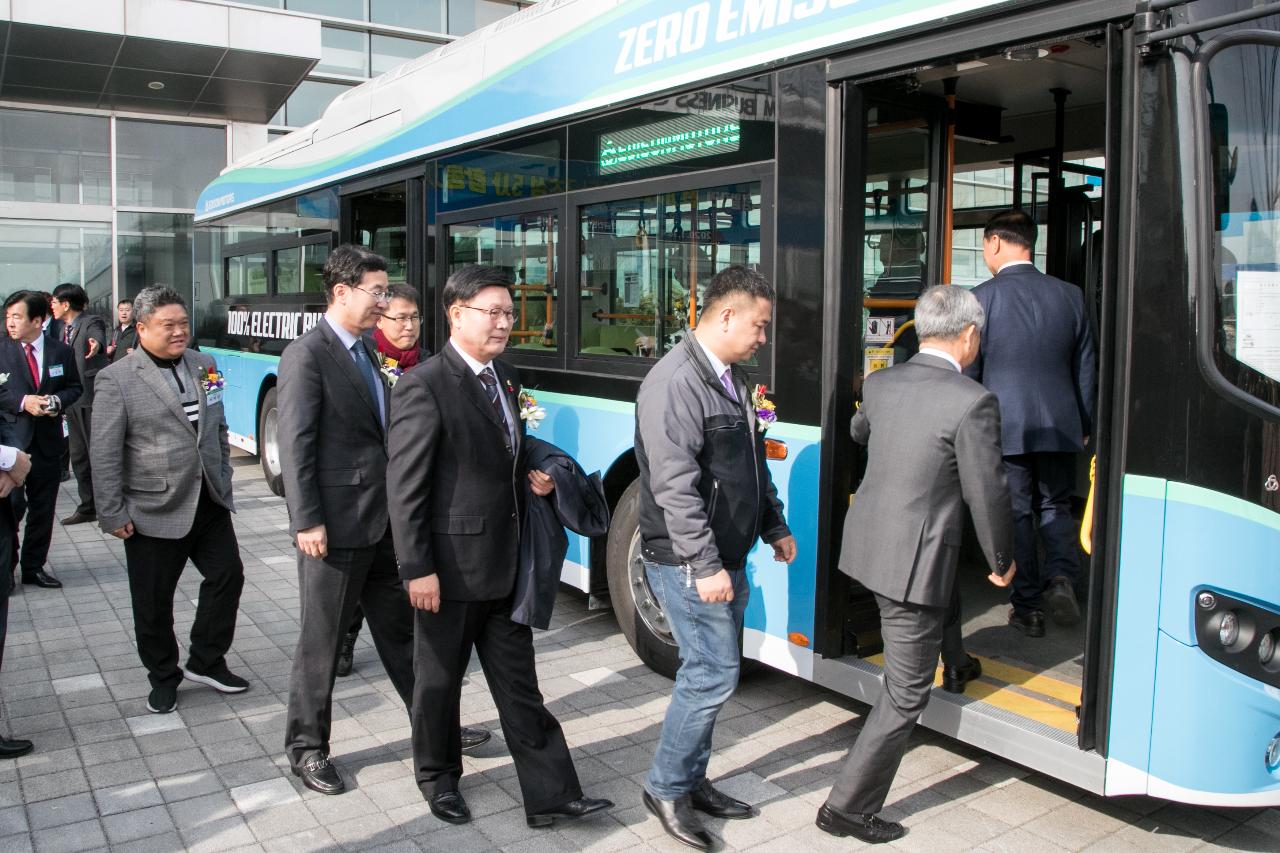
(616, 153)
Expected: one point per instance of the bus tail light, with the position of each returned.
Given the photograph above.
(775, 449)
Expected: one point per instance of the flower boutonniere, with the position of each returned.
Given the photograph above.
(212, 381)
(766, 414)
(530, 411)
(391, 371)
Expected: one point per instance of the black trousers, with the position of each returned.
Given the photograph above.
(154, 567)
(953, 653)
(79, 419)
(1040, 486)
(7, 538)
(36, 500)
(443, 643)
(330, 589)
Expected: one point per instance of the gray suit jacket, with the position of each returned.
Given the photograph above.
(333, 451)
(148, 460)
(933, 438)
(88, 326)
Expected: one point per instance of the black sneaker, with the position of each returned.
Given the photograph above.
(163, 700)
(221, 679)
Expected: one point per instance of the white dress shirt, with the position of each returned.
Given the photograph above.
(718, 367)
(1005, 266)
(937, 353)
(37, 350)
(8, 457)
(478, 367)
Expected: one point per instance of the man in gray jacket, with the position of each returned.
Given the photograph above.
(162, 481)
(933, 437)
(705, 498)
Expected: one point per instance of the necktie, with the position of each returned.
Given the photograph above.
(726, 379)
(66, 333)
(35, 369)
(490, 381)
(370, 377)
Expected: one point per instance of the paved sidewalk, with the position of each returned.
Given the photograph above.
(212, 777)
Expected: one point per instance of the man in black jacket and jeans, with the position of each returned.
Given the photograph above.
(705, 497)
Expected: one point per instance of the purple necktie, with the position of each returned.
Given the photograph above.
(727, 381)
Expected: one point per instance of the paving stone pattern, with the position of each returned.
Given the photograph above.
(107, 775)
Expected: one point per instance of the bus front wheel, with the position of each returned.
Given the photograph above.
(639, 614)
(269, 443)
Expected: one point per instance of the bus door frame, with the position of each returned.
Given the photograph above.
(844, 304)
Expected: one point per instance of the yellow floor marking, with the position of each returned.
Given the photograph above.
(1006, 699)
(1043, 684)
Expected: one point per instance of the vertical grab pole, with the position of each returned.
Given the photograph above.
(693, 260)
(948, 187)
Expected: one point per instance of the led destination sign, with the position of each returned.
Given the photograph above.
(669, 141)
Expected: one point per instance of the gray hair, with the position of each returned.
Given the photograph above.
(944, 311)
(153, 297)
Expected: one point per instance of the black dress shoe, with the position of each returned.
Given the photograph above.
(1030, 623)
(707, 799)
(472, 738)
(320, 775)
(678, 820)
(346, 657)
(954, 678)
(79, 517)
(41, 578)
(867, 827)
(450, 807)
(1060, 601)
(14, 748)
(571, 810)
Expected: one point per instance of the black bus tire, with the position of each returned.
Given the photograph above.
(269, 443)
(637, 619)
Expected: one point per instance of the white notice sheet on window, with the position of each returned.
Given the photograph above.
(1258, 320)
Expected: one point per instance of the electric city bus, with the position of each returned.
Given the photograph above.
(614, 154)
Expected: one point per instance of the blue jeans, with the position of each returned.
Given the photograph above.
(707, 635)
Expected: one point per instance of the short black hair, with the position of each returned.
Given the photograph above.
(37, 303)
(1012, 226)
(737, 279)
(464, 284)
(72, 294)
(347, 265)
(125, 301)
(407, 292)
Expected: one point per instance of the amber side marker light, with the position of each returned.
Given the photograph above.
(798, 639)
(774, 449)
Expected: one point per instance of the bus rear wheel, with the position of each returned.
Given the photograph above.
(269, 443)
(639, 614)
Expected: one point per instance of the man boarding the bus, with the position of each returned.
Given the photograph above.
(333, 456)
(1038, 358)
(457, 461)
(933, 439)
(706, 496)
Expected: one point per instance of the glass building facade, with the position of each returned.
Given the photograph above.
(105, 198)
(365, 38)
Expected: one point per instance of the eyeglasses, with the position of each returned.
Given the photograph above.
(495, 313)
(378, 295)
(410, 319)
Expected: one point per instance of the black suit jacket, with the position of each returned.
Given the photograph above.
(125, 340)
(89, 326)
(333, 453)
(37, 435)
(1038, 358)
(454, 485)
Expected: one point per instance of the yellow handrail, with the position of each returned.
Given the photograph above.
(1086, 526)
